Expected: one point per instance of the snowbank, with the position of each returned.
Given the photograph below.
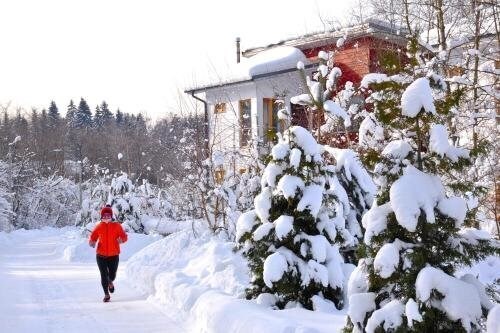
(215, 312)
(5, 239)
(182, 258)
(66, 235)
(163, 226)
(205, 279)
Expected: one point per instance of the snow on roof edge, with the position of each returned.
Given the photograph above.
(270, 62)
(371, 23)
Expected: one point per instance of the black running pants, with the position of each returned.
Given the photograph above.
(107, 267)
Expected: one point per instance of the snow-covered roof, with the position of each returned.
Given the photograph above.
(274, 60)
(270, 62)
(371, 27)
(283, 56)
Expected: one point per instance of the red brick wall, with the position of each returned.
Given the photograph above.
(355, 58)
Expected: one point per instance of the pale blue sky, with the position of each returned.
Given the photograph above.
(135, 53)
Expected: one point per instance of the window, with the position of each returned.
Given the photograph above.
(245, 122)
(220, 108)
(219, 176)
(271, 121)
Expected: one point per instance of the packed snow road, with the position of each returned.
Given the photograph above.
(41, 292)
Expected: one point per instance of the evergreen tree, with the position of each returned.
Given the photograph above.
(34, 126)
(358, 192)
(293, 236)
(98, 117)
(21, 128)
(54, 116)
(102, 115)
(107, 115)
(119, 117)
(83, 115)
(124, 202)
(415, 236)
(70, 114)
(325, 100)
(73, 147)
(140, 122)
(5, 133)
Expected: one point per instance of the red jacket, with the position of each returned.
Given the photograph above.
(108, 234)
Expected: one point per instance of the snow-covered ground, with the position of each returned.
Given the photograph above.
(49, 282)
(203, 278)
(43, 292)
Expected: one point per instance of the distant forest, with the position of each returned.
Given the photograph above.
(100, 141)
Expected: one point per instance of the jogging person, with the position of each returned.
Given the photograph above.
(108, 234)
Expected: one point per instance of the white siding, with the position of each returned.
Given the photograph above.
(224, 128)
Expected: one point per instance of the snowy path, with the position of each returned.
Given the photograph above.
(40, 292)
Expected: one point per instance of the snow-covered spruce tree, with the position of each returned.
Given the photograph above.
(293, 235)
(319, 97)
(359, 190)
(126, 205)
(94, 195)
(324, 98)
(415, 239)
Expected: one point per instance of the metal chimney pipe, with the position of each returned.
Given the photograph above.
(238, 51)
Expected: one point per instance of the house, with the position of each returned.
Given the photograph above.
(243, 107)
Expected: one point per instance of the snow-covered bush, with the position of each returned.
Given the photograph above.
(415, 237)
(133, 205)
(29, 200)
(293, 236)
(51, 201)
(248, 187)
(217, 188)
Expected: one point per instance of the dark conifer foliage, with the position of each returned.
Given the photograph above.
(83, 115)
(57, 145)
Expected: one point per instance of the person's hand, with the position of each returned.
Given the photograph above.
(120, 241)
(92, 243)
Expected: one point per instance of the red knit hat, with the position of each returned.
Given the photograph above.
(106, 210)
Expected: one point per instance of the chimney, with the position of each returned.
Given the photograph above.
(238, 52)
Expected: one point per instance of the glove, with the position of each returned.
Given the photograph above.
(120, 241)
(91, 244)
